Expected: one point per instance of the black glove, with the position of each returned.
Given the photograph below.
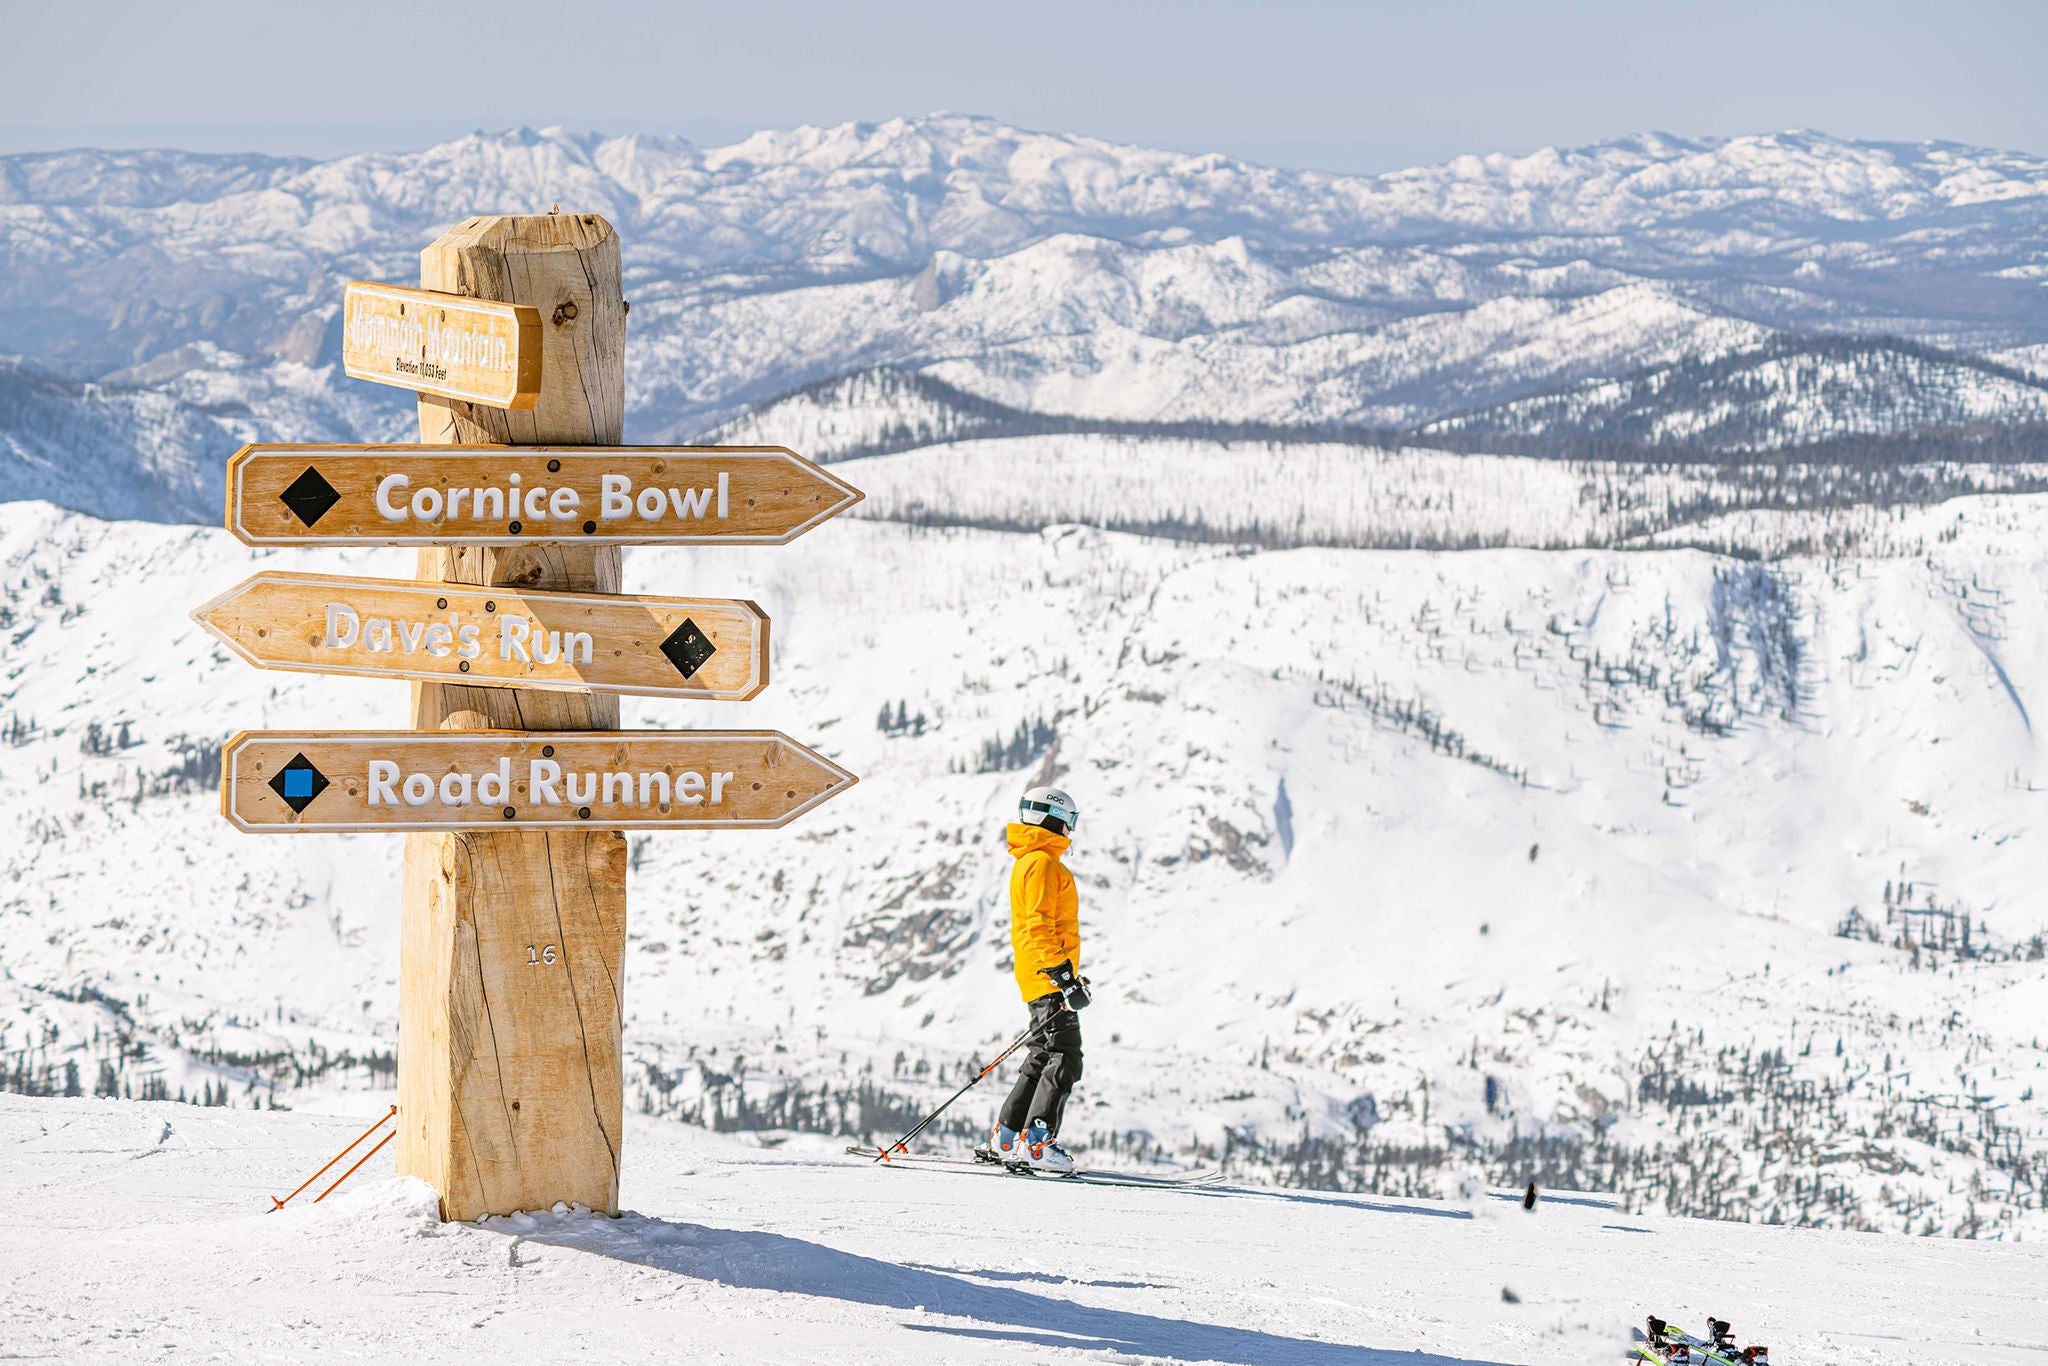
(1073, 990)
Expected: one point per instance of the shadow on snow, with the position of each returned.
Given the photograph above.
(756, 1260)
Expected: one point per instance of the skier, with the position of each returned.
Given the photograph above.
(1045, 942)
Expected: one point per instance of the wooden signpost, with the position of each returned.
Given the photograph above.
(709, 648)
(497, 495)
(315, 781)
(474, 349)
(515, 785)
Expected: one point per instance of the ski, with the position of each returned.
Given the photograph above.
(1668, 1346)
(1088, 1177)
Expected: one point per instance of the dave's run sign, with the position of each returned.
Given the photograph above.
(284, 781)
(709, 648)
(499, 495)
(475, 349)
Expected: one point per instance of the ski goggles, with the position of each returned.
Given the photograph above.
(1064, 814)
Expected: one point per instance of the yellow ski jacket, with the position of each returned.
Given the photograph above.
(1045, 910)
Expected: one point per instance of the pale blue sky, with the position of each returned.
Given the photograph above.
(1361, 86)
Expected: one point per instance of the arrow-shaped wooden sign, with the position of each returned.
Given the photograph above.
(479, 350)
(710, 648)
(283, 781)
(504, 495)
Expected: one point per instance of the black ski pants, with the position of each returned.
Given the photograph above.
(1050, 1070)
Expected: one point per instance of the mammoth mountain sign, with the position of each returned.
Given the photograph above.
(285, 781)
(709, 648)
(499, 495)
(479, 350)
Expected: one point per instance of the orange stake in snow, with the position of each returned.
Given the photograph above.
(359, 1162)
(277, 1204)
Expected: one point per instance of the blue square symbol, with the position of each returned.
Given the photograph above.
(298, 782)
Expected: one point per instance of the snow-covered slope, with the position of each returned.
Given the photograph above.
(1075, 325)
(134, 1233)
(155, 444)
(1795, 393)
(1063, 274)
(1298, 493)
(1707, 881)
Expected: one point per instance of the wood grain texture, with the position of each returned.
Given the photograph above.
(509, 1085)
(472, 349)
(494, 780)
(567, 267)
(512, 1097)
(496, 495)
(384, 628)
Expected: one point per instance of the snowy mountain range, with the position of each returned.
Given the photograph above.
(1570, 292)
(1500, 763)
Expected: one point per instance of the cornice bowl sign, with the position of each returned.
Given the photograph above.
(500, 495)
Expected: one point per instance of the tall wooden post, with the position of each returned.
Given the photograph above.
(511, 967)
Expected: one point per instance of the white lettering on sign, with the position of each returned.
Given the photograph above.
(349, 629)
(616, 500)
(548, 647)
(490, 504)
(546, 785)
(438, 345)
(372, 328)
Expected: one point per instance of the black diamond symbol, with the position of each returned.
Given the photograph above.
(687, 648)
(309, 496)
(298, 782)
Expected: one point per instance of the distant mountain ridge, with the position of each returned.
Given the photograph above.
(1836, 399)
(1084, 280)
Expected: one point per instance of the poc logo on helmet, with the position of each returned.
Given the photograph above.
(1049, 809)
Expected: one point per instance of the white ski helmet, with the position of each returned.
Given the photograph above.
(1049, 809)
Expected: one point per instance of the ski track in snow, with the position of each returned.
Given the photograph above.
(133, 1233)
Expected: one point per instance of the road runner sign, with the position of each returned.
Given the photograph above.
(505, 495)
(708, 648)
(403, 780)
(480, 350)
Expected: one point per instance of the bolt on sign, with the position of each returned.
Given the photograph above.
(714, 649)
(404, 780)
(476, 350)
(502, 495)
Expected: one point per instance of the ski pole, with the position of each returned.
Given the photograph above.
(277, 1204)
(882, 1154)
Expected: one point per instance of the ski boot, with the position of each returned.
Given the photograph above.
(1042, 1155)
(1002, 1147)
(1720, 1337)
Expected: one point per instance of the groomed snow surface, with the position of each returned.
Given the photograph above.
(134, 1232)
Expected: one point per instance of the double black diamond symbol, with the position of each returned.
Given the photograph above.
(309, 496)
(298, 782)
(687, 648)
